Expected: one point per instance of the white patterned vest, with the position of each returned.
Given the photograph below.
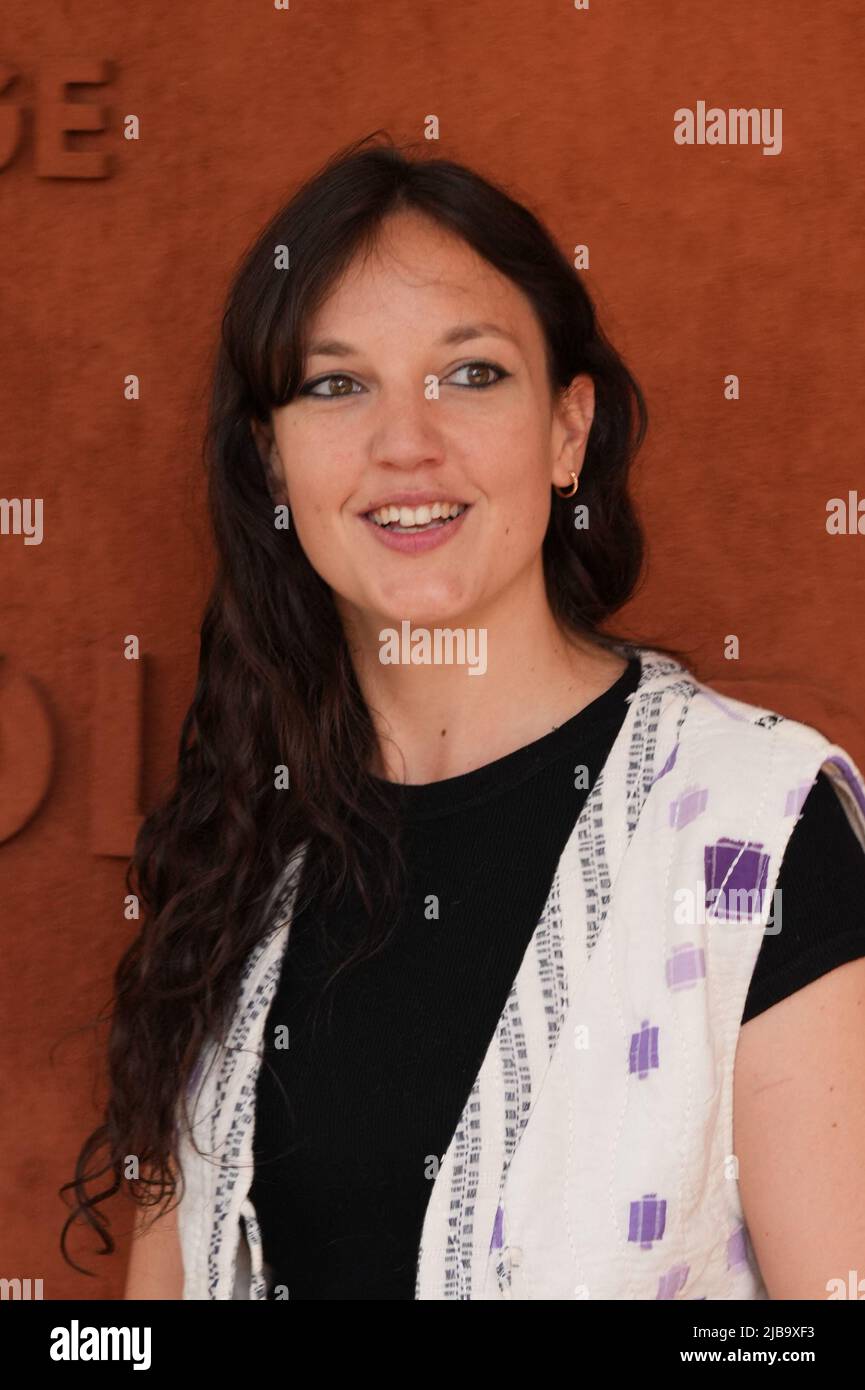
(594, 1156)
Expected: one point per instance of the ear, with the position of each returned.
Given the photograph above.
(575, 410)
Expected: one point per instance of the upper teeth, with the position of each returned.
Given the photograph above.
(417, 516)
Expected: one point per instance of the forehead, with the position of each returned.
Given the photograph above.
(423, 276)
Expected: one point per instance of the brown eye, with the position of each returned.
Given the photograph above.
(484, 369)
(481, 369)
(323, 381)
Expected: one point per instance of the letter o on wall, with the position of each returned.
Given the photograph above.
(26, 749)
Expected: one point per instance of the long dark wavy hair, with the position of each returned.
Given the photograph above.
(275, 684)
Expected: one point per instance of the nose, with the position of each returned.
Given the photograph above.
(407, 430)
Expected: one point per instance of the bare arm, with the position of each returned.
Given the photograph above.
(799, 1124)
(155, 1264)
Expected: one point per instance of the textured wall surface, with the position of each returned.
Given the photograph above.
(706, 261)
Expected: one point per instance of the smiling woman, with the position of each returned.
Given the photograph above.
(416, 424)
(533, 1063)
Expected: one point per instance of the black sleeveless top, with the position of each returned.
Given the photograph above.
(372, 1084)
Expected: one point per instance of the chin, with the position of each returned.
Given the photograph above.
(422, 608)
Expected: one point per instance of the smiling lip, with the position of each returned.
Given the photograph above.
(418, 541)
(412, 499)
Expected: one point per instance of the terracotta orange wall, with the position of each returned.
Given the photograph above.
(705, 261)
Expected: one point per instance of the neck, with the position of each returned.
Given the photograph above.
(436, 720)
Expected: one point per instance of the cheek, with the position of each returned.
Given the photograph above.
(324, 526)
(313, 526)
(313, 496)
(523, 507)
(318, 480)
(520, 537)
(306, 510)
(520, 471)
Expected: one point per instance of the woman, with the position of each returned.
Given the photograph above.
(464, 916)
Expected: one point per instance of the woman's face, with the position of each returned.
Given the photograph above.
(368, 430)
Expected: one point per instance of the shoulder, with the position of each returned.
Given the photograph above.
(728, 716)
(825, 854)
(817, 918)
(731, 734)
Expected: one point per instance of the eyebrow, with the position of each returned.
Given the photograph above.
(332, 347)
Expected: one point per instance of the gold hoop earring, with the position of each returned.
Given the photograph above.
(568, 492)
